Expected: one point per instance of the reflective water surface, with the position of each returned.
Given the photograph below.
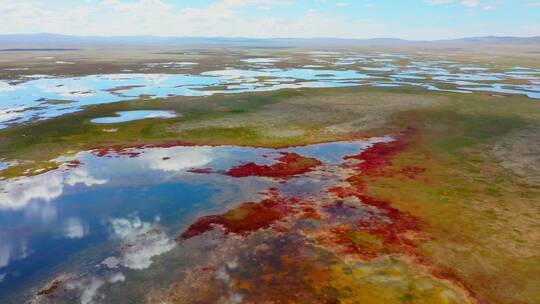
(119, 209)
(46, 96)
(125, 116)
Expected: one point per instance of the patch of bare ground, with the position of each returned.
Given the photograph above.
(519, 152)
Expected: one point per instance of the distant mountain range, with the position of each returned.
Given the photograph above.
(40, 40)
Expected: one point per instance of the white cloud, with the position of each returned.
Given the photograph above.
(89, 287)
(470, 3)
(176, 158)
(46, 213)
(17, 193)
(139, 256)
(111, 262)
(142, 241)
(437, 2)
(80, 175)
(65, 91)
(466, 3)
(220, 18)
(6, 87)
(13, 250)
(5, 254)
(7, 115)
(117, 277)
(156, 17)
(90, 291)
(74, 228)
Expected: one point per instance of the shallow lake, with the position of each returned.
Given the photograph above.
(79, 217)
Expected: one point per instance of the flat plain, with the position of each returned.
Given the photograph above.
(270, 175)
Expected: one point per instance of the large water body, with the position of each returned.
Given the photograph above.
(83, 213)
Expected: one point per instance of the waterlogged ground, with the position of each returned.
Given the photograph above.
(287, 216)
(41, 96)
(327, 177)
(128, 205)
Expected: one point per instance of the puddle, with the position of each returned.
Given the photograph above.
(173, 65)
(262, 61)
(406, 76)
(27, 100)
(125, 116)
(301, 74)
(388, 85)
(501, 89)
(379, 69)
(21, 102)
(473, 69)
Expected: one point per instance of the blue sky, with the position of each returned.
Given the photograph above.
(409, 19)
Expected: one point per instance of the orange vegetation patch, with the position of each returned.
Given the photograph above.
(391, 231)
(287, 271)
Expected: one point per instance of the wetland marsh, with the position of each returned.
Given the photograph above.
(241, 175)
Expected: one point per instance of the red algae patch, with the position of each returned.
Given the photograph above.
(379, 156)
(288, 165)
(246, 218)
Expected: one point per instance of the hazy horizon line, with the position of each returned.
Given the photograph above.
(265, 38)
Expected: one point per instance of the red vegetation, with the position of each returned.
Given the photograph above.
(397, 231)
(246, 218)
(116, 151)
(393, 229)
(380, 155)
(342, 236)
(411, 172)
(50, 289)
(130, 151)
(306, 210)
(201, 170)
(288, 165)
(73, 163)
(347, 228)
